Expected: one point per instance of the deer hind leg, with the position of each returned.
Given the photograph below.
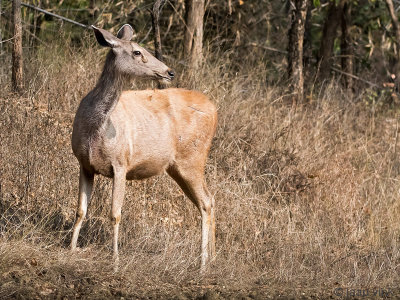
(193, 185)
(116, 206)
(85, 190)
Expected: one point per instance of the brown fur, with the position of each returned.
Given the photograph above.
(166, 129)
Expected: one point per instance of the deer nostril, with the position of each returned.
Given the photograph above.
(171, 73)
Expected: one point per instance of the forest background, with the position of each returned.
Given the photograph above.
(304, 167)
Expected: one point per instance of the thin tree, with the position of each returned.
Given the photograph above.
(396, 28)
(307, 51)
(347, 47)
(1, 37)
(298, 12)
(155, 17)
(193, 39)
(17, 75)
(329, 33)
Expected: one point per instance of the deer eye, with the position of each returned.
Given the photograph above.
(137, 53)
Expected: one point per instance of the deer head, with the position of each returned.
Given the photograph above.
(129, 58)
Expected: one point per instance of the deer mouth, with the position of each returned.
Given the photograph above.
(164, 78)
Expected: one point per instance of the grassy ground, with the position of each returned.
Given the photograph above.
(307, 199)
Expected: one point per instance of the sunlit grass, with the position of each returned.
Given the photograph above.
(306, 198)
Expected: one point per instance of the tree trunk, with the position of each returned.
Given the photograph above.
(295, 47)
(396, 27)
(35, 28)
(155, 18)
(17, 76)
(308, 53)
(193, 39)
(1, 37)
(329, 32)
(347, 47)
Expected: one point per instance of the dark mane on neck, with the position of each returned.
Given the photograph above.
(103, 98)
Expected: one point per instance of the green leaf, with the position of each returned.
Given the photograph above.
(317, 3)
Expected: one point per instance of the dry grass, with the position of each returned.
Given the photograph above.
(307, 201)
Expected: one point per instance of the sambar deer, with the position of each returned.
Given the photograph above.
(126, 135)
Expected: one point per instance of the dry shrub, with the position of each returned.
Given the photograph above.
(307, 200)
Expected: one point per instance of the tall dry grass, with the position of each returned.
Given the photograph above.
(307, 200)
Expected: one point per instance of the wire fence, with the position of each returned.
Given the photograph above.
(41, 24)
(31, 14)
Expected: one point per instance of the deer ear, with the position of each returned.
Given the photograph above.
(125, 32)
(104, 38)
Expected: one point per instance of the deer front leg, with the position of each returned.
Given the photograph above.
(117, 200)
(85, 190)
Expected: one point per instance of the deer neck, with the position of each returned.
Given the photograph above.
(104, 97)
